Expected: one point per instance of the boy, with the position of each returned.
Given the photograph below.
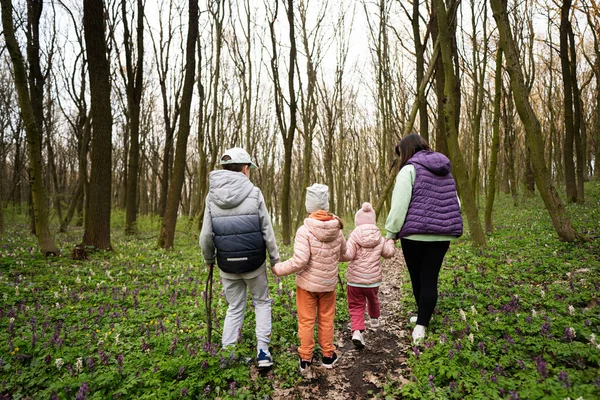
(237, 227)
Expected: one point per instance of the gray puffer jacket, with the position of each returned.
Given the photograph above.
(236, 229)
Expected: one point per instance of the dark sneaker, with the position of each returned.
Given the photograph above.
(264, 359)
(329, 362)
(304, 365)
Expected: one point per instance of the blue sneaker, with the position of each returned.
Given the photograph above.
(264, 359)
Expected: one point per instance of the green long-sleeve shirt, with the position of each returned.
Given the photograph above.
(401, 196)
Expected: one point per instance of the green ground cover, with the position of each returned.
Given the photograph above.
(518, 320)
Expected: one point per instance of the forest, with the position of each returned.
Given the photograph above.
(113, 113)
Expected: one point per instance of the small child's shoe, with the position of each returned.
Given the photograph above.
(264, 359)
(374, 323)
(358, 340)
(329, 362)
(418, 334)
(304, 365)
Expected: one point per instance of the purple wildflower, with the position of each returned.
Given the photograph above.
(541, 367)
(90, 363)
(443, 339)
(184, 392)
(521, 364)
(498, 370)
(587, 322)
(173, 344)
(232, 388)
(83, 392)
(569, 334)
(180, 373)
(103, 357)
(431, 383)
(120, 362)
(546, 329)
(451, 354)
(564, 379)
(416, 351)
(207, 389)
(452, 386)
(514, 395)
(481, 346)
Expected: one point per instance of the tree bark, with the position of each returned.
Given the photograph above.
(577, 120)
(491, 189)
(32, 129)
(133, 88)
(420, 69)
(167, 232)
(535, 144)
(450, 118)
(568, 155)
(98, 205)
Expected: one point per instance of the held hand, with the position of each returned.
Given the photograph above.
(274, 269)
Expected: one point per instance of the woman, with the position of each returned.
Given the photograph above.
(425, 216)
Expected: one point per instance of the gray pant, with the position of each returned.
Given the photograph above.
(236, 294)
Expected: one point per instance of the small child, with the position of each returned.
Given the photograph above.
(237, 233)
(365, 247)
(318, 246)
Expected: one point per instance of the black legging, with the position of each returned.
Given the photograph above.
(424, 260)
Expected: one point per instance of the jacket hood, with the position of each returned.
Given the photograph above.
(367, 235)
(435, 162)
(227, 189)
(325, 231)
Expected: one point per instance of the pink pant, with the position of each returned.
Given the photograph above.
(358, 299)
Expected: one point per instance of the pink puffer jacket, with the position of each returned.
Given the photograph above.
(365, 247)
(318, 247)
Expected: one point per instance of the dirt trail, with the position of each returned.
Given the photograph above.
(362, 374)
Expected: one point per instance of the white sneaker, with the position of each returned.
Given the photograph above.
(358, 340)
(374, 323)
(413, 319)
(418, 334)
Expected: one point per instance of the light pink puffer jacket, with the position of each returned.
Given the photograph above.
(365, 247)
(318, 247)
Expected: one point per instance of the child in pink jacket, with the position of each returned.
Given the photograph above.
(364, 249)
(318, 246)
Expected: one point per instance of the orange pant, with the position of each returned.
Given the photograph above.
(311, 305)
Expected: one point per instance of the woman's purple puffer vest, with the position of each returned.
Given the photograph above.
(434, 207)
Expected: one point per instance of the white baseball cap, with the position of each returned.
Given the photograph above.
(237, 155)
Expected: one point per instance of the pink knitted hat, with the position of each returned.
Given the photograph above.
(366, 215)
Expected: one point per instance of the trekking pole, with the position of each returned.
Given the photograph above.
(208, 296)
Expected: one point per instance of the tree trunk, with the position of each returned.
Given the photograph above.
(420, 66)
(450, 118)
(491, 189)
(289, 139)
(134, 97)
(167, 232)
(577, 120)
(535, 145)
(32, 129)
(440, 82)
(568, 155)
(98, 205)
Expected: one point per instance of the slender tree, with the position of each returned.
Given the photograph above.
(450, 118)
(568, 153)
(98, 204)
(535, 144)
(33, 132)
(491, 189)
(133, 89)
(167, 232)
(287, 131)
